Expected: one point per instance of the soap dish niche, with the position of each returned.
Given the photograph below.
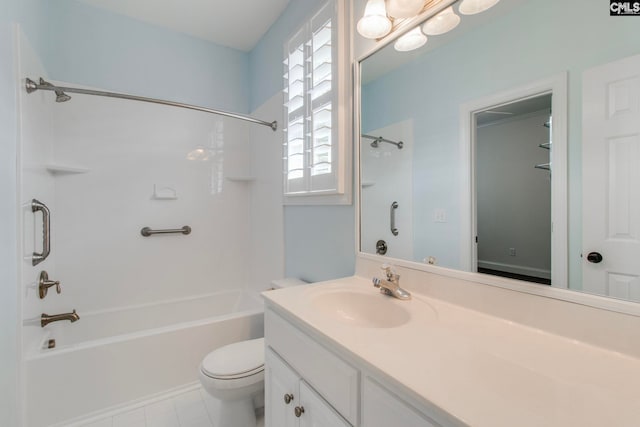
(164, 193)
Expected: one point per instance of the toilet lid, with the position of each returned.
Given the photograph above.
(237, 360)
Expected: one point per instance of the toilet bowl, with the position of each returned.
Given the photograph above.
(233, 375)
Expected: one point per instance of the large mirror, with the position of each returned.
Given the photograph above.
(509, 146)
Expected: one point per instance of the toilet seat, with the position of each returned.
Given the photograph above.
(236, 361)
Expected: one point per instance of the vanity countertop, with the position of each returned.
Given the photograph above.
(476, 368)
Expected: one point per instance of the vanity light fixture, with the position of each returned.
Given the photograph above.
(375, 23)
(404, 8)
(471, 7)
(443, 22)
(410, 41)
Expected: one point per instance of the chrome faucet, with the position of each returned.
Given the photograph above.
(391, 285)
(45, 319)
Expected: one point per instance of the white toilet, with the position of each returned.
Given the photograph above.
(234, 376)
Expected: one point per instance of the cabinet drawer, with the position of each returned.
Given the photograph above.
(329, 375)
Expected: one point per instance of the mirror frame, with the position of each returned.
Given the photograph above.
(562, 294)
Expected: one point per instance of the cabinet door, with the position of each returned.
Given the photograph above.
(317, 412)
(281, 383)
(381, 408)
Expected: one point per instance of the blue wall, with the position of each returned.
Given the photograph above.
(8, 255)
(90, 46)
(319, 240)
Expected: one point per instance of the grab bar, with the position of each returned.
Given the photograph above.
(146, 231)
(36, 206)
(392, 218)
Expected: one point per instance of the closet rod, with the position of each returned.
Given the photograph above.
(61, 96)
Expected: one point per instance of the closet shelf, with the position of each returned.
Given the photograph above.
(57, 169)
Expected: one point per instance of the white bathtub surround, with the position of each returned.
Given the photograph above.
(133, 353)
(480, 355)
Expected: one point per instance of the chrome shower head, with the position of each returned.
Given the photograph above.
(375, 143)
(61, 96)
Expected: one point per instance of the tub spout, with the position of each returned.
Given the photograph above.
(45, 319)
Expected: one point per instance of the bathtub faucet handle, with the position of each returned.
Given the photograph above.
(44, 284)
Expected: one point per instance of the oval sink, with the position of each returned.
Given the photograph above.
(372, 310)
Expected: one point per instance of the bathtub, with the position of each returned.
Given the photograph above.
(113, 357)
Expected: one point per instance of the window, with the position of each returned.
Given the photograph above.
(316, 76)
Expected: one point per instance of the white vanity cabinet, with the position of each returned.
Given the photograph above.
(381, 408)
(303, 375)
(291, 402)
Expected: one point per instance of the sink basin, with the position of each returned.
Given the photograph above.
(368, 310)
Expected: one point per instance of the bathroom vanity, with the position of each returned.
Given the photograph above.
(340, 353)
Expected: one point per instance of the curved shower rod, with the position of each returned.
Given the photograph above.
(61, 96)
(378, 139)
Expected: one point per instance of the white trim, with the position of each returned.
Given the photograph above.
(557, 85)
(516, 269)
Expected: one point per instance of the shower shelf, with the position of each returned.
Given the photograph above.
(366, 184)
(240, 178)
(65, 169)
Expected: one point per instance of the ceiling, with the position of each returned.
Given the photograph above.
(238, 24)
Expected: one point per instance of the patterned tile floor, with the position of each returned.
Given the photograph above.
(190, 409)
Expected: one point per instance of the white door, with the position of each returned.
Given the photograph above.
(611, 179)
(317, 412)
(281, 389)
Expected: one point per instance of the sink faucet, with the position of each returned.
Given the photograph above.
(45, 319)
(391, 285)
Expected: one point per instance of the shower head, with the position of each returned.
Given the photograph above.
(61, 96)
(375, 143)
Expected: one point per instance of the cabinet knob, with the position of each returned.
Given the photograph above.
(299, 410)
(288, 398)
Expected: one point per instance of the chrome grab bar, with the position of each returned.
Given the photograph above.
(146, 231)
(36, 206)
(392, 219)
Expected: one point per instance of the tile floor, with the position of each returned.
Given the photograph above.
(191, 409)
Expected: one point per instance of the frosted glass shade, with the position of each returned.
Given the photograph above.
(410, 41)
(374, 24)
(471, 7)
(443, 22)
(404, 8)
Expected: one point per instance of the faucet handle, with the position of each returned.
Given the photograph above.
(44, 284)
(389, 271)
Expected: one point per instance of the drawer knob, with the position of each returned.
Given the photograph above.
(288, 398)
(299, 410)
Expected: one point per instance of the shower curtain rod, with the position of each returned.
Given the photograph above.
(379, 139)
(32, 86)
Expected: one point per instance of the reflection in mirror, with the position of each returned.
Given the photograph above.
(418, 97)
(513, 190)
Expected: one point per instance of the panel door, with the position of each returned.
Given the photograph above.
(317, 412)
(280, 381)
(611, 179)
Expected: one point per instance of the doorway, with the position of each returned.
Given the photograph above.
(513, 189)
(487, 206)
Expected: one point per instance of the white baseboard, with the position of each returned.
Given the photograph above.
(515, 269)
(128, 406)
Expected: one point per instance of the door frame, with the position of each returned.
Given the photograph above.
(556, 85)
